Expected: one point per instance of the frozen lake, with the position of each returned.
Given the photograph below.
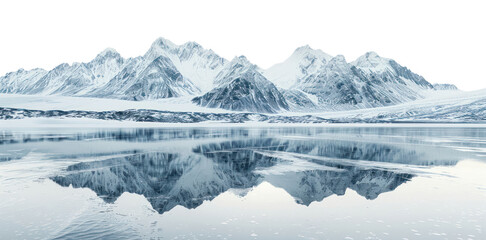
(336, 182)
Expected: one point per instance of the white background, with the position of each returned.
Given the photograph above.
(445, 41)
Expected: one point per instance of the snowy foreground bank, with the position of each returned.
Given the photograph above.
(12, 115)
(86, 123)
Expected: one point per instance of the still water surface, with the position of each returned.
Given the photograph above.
(344, 182)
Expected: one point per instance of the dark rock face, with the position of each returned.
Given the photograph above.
(334, 84)
(243, 95)
(297, 100)
(404, 72)
(142, 115)
(241, 87)
(474, 112)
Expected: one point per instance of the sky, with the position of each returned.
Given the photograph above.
(444, 41)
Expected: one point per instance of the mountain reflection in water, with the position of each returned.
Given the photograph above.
(188, 166)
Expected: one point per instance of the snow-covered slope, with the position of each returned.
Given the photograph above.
(446, 106)
(303, 62)
(195, 63)
(240, 86)
(389, 71)
(21, 81)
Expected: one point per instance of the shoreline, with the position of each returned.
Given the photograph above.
(42, 122)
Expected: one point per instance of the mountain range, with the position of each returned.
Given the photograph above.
(309, 80)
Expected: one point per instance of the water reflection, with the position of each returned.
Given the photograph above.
(165, 179)
(309, 164)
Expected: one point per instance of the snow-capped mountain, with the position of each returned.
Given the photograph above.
(83, 77)
(370, 81)
(388, 71)
(240, 86)
(65, 79)
(166, 70)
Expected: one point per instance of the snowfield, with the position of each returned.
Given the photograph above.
(445, 106)
(37, 102)
(446, 103)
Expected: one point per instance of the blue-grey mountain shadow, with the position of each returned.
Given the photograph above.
(188, 178)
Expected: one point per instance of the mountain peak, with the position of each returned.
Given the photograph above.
(160, 47)
(371, 54)
(370, 60)
(192, 45)
(237, 67)
(306, 50)
(338, 59)
(304, 61)
(241, 60)
(163, 43)
(108, 52)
